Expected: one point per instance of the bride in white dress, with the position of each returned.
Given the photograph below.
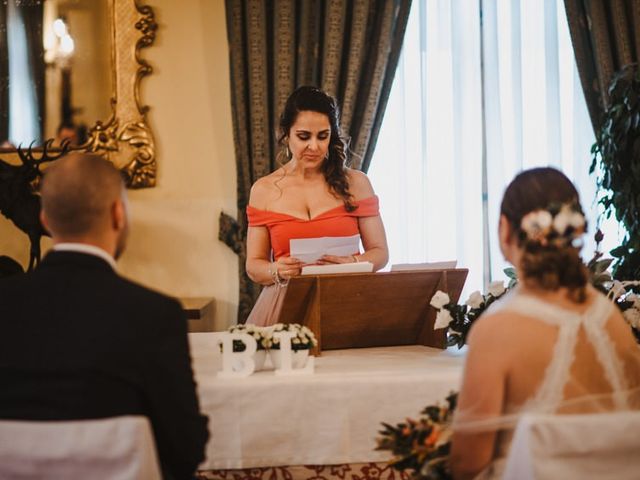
(552, 345)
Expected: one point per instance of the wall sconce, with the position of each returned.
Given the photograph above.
(58, 43)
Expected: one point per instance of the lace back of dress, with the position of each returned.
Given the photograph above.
(550, 396)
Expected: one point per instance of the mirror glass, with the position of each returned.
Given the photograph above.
(56, 70)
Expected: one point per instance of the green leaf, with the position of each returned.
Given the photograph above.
(601, 265)
(510, 272)
(618, 251)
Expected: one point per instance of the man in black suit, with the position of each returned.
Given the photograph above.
(77, 341)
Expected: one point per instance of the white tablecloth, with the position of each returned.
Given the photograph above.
(330, 417)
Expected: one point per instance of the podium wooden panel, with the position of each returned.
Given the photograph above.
(371, 309)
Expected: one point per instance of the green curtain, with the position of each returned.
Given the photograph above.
(349, 48)
(606, 36)
(4, 75)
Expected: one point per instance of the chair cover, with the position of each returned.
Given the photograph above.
(580, 446)
(118, 448)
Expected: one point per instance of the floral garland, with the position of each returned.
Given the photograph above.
(620, 293)
(458, 318)
(422, 446)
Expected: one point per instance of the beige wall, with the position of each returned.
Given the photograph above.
(173, 245)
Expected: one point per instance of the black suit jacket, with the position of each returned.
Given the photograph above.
(77, 341)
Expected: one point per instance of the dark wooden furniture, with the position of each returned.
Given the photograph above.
(371, 309)
(200, 313)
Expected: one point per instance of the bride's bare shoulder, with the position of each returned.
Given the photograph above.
(502, 329)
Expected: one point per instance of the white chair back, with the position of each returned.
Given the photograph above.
(118, 448)
(585, 446)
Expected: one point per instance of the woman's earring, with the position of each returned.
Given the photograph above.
(288, 153)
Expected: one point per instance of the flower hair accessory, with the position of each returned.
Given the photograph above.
(556, 225)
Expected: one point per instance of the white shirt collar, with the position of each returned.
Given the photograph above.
(85, 248)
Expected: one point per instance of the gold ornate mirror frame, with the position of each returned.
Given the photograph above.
(125, 137)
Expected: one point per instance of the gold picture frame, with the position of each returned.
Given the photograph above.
(125, 138)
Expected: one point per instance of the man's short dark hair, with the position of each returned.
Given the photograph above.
(77, 192)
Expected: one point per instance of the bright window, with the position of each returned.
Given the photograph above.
(509, 88)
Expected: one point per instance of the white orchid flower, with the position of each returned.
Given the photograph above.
(443, 319)
(440, 299)
(496, 288)
(475, 300)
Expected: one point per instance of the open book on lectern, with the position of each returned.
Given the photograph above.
(371, 309)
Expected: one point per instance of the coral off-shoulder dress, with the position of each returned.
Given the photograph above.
(337, 222)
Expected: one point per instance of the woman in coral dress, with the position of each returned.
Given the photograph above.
(312, 195)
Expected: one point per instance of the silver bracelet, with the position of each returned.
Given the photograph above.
(277, 279)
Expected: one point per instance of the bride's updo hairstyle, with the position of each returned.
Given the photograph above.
(312, 99)
(543, 208)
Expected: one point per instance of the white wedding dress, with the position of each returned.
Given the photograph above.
(550, 397)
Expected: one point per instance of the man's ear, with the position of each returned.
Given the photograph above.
(118, 215)
(44, 221)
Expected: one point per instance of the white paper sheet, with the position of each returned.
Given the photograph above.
(359, 267)
(403, 267)
(310, 250)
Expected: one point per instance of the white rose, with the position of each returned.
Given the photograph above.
(576, 220)
(475, 299)
(535, 222)
(440, 299)
(443, 319)
(496, 288)
(562, 221)
(632, 316)
(295, 340)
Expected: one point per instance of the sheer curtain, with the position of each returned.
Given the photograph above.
(483, 90)
(24, 117)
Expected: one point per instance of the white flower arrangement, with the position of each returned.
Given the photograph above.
(262, 336)
(457, 319)
(627, 301)
(304, 338)
(496, 288)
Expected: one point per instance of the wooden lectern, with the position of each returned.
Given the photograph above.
(371, 309)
